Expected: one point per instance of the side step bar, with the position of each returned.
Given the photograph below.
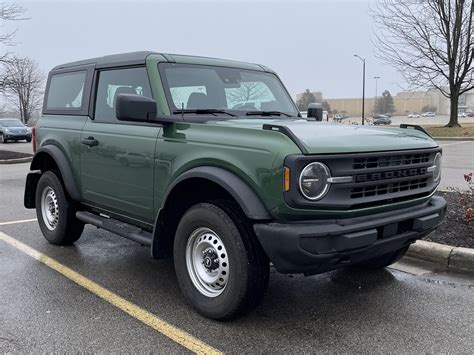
(115, 226)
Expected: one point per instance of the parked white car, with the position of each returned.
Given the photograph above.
(413, 115)
(428, 114)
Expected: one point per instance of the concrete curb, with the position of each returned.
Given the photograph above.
(16, 161)
(457, 258)
(454, 138)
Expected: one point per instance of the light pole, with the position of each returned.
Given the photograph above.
(363, 86)
(375, 101)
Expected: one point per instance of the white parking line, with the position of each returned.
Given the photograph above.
(444, 145)
(19, 221)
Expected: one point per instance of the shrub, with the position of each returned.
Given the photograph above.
(467, 198)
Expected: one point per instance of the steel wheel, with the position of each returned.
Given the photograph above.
(49, 208)
(207, 262)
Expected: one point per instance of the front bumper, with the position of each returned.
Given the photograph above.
(318, 246)
(17, 137)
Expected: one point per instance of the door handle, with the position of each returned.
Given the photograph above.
(90, 141)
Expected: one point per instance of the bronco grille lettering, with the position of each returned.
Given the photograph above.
(387, 175)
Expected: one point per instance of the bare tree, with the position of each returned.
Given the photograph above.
(23, 86)
(9, 11)
(248, 91)
(430, 42)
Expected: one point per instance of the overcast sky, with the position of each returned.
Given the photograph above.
(309, 43)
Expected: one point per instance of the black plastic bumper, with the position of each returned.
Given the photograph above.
(16, 137)
(317, 246)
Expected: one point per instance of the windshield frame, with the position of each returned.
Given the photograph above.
(238, 113)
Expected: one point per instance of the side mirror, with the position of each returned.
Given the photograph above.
(315, 111)
(135, 108)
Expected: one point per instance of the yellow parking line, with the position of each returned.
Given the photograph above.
(179, 336)
(19, 221)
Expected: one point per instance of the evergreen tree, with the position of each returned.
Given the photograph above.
(305, 99)
(385, 104)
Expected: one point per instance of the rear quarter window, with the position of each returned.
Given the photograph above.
(68, 91)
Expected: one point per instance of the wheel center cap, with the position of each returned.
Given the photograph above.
(210, 260)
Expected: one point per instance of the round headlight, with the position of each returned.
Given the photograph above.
(313, 181)
(437, 167)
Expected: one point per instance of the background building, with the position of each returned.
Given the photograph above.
(404, 102)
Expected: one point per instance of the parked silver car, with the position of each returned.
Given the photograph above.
(12, 129)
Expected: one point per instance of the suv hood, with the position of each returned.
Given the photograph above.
(322, 137)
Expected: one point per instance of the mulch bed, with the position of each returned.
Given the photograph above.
(455, 230)
(6, 155)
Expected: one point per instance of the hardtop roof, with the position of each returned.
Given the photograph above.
(137, 58)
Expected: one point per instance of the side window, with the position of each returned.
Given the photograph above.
(66, 91)
(118, 81)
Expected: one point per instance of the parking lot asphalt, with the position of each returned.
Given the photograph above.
(458, 159)
(21, 147)
(397, 120)
(42, 310)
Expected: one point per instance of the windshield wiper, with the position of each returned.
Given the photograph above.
(267, 113)
(203, 111)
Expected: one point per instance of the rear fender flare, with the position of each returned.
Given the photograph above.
(64, 168)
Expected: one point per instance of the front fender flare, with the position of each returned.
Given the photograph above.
(248, 200)
(64, 168)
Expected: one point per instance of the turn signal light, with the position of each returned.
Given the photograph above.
(286, 179)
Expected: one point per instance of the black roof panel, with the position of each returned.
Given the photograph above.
(137, 58)
(130, 58)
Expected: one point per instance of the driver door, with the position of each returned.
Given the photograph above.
(117, 157)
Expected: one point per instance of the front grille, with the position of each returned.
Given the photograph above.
(376, 179)
(391, 160)
(390, 176)
(384, 189)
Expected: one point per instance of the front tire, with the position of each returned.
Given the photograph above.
(221, 268)
(56, 212)
(2, 139)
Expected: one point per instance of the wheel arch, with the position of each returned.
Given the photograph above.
(51, 156)
(214, 183)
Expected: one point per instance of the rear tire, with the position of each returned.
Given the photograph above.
(56, 212)
(221, 268)
(383, 261)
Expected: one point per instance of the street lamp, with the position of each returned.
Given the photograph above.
(375, 101)
(363, 86)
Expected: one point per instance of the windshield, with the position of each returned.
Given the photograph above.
(236, 90)
(11, 123)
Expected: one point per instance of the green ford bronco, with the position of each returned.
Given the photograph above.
(210, 162)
